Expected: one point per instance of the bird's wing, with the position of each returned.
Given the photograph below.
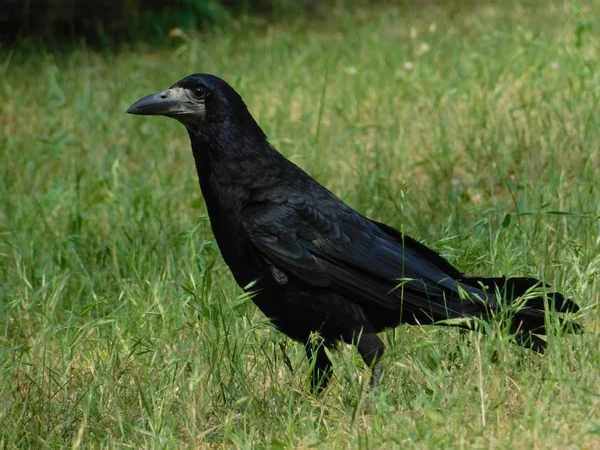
(325, 243)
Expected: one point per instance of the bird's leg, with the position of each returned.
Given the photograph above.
(321, 367)
(371, 348)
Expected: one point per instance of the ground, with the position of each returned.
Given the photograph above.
(471, 125)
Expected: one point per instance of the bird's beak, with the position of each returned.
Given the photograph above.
(165, 103)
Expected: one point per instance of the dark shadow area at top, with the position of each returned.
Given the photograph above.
(107, 23)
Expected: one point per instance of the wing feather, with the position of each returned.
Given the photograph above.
(350, 254)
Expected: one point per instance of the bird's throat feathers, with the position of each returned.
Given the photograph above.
(234, 152)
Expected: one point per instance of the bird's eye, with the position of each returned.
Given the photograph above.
(200, 92)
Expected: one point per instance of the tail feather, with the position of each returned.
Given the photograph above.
(512, 288)
(555, 301)
(530, 306)
(529, 318)
(534, 321)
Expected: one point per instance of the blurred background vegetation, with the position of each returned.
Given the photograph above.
(113, 21)
(109, 20)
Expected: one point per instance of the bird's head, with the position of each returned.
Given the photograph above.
(198, 101)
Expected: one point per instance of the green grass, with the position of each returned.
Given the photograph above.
(469, 126)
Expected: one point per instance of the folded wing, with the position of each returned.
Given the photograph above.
(324, 243)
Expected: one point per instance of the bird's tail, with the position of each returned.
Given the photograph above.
(526, 300)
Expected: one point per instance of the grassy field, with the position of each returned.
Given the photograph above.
(473, 127)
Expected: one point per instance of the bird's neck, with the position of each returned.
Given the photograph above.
(236, 156)
(230, 165)
(233, 163)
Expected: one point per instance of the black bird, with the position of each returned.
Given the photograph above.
(320, 266)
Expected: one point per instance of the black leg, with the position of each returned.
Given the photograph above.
(321, 368)
(371, 348)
